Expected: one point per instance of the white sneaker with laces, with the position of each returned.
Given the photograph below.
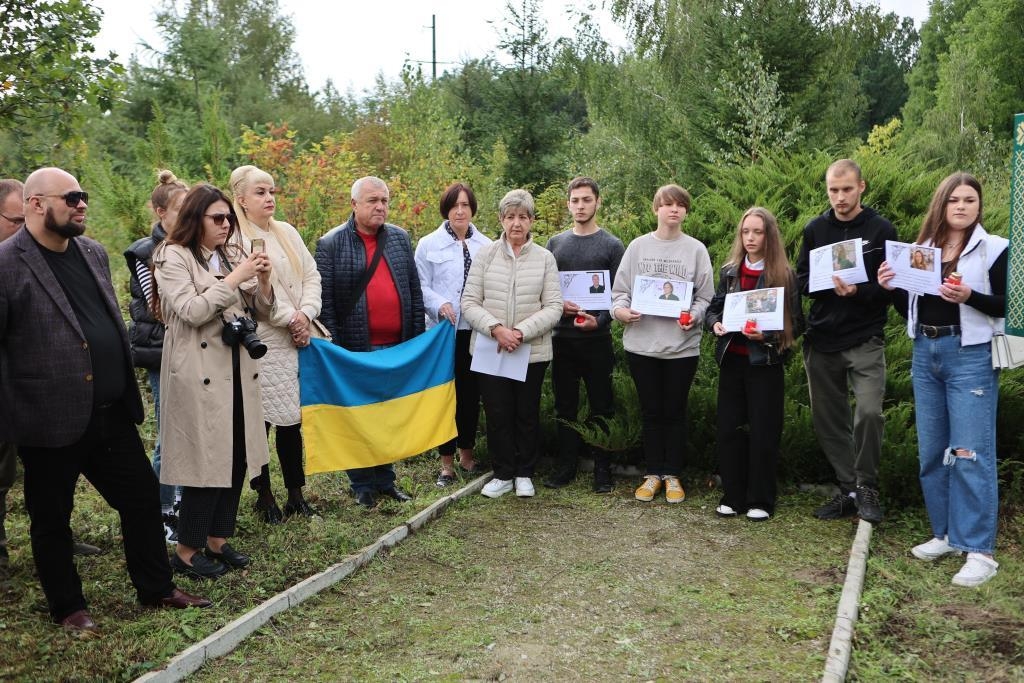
(976, 570)
(496, 488)
(524, 487)
(933, 550)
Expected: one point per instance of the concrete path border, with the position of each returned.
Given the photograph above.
(227, 638)
(838, 662)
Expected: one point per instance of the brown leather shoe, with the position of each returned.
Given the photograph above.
(79, 621)
(179, 599)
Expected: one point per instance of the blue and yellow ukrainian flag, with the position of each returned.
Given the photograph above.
(364, 409)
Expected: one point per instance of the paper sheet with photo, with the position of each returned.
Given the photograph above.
(591, 290)
(915, 268)
(766, 306)
(490, 361)
(659, 296)
(844, 259)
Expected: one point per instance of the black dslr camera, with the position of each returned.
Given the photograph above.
(242, 332)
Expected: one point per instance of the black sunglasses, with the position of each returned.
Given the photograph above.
(72, 198)
(219, 218)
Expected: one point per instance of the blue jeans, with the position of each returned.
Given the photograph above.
(166, 490)
(955, 395)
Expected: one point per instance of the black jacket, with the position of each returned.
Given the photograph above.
(145, 333)
(341, 260)
(759, 353)
(836, 323)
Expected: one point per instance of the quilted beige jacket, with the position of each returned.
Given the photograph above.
(279, 369)
(514, 291)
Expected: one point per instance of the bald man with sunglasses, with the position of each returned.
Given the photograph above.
(70, 398)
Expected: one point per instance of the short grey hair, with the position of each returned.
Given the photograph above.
(370, 180)
(9, 186)
(517, 199)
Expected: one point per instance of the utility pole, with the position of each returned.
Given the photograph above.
(433, 45)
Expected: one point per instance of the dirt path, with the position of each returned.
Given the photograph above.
(571, 586)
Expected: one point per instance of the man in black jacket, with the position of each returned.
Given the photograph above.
(367, 310)
(844, 347)
(64, 356)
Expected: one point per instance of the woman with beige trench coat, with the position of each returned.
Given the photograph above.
(297, 287)
(211, 422)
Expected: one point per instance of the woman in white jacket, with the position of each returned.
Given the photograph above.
(297, 283)
(443, 259)
(512, 296)
(955, 388)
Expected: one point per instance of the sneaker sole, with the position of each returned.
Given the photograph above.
(931, 557)
(525, 495)
(495, 494)
(673, 502)
(972, 583)
(644, 499)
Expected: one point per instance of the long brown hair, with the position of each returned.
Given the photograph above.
(188, 232)
(934, 226)
(777, 272)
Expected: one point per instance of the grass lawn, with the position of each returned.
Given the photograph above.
(566, 586)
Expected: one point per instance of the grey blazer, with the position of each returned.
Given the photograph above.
(45, 370)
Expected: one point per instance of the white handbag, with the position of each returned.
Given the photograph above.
(1007, 351)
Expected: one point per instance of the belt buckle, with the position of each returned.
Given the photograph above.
(930, 331)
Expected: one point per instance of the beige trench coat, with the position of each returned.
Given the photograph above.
(195, 374)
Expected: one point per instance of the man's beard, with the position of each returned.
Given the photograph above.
(67, 230)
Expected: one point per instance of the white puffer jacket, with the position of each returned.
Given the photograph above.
(518, 292)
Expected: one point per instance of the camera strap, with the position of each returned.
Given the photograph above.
(346, 310)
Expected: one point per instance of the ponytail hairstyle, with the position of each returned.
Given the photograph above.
(934, 226)
(244, 177)
(777, 272)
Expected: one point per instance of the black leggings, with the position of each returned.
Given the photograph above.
(289, 454)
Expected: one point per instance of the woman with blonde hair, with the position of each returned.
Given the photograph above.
(297, 284)
(751, 383)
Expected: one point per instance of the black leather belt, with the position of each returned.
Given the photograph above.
(936, 331)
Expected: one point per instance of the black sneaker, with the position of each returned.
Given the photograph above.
(841, 505)
(868, 507)
(202, 567)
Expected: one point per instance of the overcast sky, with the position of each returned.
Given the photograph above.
(351, 42)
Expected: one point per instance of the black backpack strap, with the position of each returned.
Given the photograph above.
(347, 309)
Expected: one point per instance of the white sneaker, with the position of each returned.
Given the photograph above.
(725, 511)
(976, 570)
(524, 487)
(933, 550)
(757, 515)
(496, 488)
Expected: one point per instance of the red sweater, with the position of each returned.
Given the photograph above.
(383, 307)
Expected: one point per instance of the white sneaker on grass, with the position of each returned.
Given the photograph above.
(524, 487)
(757, 515)
(725, 511)
(933, 550)
(977, 570)
(496, 488)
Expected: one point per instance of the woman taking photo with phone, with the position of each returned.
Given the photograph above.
(297, 284)
(212, 416)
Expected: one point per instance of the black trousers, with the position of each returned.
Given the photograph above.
(289, 454)
(750, 415)
(467, 397)
(513, 421)
(590, 360)
(212, 510)
(663, 388)
(111, 457)
(8, 472)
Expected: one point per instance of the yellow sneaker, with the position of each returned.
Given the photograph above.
(674, 492)
(649, 489)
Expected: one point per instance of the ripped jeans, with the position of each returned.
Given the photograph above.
(956, 392)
